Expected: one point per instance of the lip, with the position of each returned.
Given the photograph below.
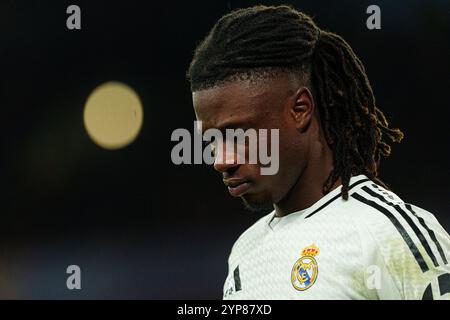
(237, 187)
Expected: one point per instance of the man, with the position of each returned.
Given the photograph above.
(336, 231)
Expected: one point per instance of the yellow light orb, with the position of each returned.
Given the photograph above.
(113, 115)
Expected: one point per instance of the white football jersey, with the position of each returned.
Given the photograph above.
(371, 246)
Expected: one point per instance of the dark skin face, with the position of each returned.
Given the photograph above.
(283, 103)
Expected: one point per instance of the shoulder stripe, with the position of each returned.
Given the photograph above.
(444, 283)
(423, 266)
(428, 294)
(237, 279)
(408, 220)
(430, 232)
(336, 197)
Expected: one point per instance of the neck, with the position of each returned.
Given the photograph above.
(309, 186)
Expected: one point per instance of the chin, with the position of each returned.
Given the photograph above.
(257, 205)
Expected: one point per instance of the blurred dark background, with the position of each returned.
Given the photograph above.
(137, 225)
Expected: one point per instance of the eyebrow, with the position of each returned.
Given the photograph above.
(233, 124)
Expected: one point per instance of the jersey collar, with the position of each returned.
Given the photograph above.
(318, 206)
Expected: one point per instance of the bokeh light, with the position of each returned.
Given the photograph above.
(113, 115)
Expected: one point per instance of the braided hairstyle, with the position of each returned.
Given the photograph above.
(262, 41)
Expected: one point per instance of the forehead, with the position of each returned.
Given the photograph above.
(239, 103)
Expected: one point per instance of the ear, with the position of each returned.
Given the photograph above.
(302, 108)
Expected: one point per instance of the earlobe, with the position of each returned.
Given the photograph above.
(302, 108)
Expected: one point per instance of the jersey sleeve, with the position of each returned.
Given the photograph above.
(408, 251)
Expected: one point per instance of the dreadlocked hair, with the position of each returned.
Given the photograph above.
(263, 40)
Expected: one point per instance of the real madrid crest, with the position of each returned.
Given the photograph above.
(305, 270)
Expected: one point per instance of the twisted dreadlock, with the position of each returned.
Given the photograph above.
(261, 40)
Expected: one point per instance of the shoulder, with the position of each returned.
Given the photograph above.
(407, 239)
(384, 213)
(375, 206)
(369, 206)
(387, 217)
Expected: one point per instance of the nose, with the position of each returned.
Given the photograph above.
(225, 161)
(225, 167)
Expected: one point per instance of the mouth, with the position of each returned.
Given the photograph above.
(237, 187)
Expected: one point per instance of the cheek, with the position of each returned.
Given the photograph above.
(284, 150)
(290, 165)
(289, 149)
